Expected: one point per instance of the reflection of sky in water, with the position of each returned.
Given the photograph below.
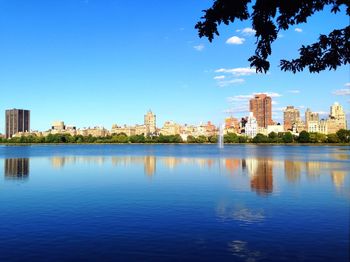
(261, 203)
(240, 249)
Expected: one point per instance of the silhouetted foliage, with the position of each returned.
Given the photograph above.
(270, 17)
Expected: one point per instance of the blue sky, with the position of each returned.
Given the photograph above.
(90, 62)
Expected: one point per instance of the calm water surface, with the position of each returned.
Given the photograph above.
(174, 203)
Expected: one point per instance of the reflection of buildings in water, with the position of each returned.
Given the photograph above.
(232, 164)
(244, 164)
(313, 169)
(16, 168)
(171, 162)
(251, 165)
(262, 179)
(341, 156)
(338, 177)
(59, 161)
(292, 170)
(150, 164)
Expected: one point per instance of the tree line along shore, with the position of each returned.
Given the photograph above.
(342, 137)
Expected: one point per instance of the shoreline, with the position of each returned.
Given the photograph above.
(149, 144)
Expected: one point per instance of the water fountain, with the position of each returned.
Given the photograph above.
(221, 136)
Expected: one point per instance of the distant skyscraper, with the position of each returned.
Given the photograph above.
(291, 116)
(261, 106)
(311, 116)
(17, 120)
(150, 122)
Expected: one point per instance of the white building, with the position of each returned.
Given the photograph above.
(251, 127)
(275, 128)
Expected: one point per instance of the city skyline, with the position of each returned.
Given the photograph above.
(82, 64)
(257, 122)
(302, 115)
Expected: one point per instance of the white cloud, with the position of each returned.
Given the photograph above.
(299, 30)
(274, 102)
(294, 91)
(322, 113)
(237, 109)
(271, 94)
(241, 98)
(248, 31)
(347, 84)
(235, 40)
(199, 47)
(280, 35)
(342, 92)
(239, 71)
(230, 82)
(219, 77)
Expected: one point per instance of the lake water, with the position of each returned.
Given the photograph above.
(174, 203)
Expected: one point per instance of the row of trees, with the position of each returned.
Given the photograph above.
(342, 136)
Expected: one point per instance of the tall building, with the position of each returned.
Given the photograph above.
(311, 116)
(291, 116)
(17, 120)
(150, 122)
(261, 106)
(337, 113)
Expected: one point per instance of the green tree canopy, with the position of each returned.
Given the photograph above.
(343, 135)
(287, 137)
(260, 138)
(270, 17)
(304, 137)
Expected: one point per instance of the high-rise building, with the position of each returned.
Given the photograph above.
(261, 106)
(311, 116)
(17, 120)
(337, 113)
(291, 116)
(150, 122)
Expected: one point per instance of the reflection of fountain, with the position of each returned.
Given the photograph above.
(221, 136)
